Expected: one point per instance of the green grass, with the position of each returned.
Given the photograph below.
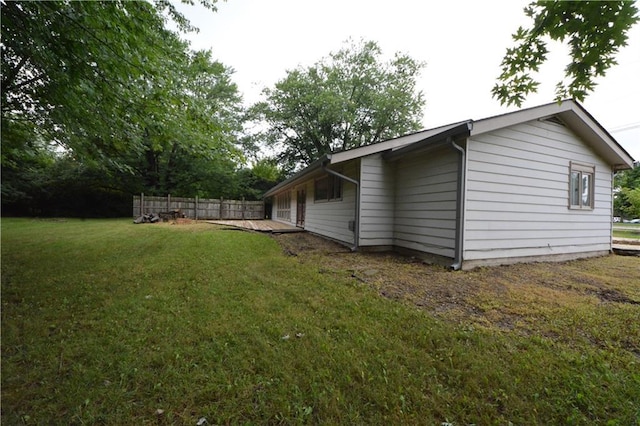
(105, 322)
(626, 234)
(626, 230)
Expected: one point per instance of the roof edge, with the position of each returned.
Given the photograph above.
(566, 109)
(291, 180)
(462, 129)
(412, 142)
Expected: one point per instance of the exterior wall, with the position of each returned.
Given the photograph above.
(331, 218)
(425, 202)
(517, 194)
(376, 205)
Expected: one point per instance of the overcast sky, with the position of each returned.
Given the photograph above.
(461, 41)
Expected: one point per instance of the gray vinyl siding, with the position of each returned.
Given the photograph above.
(517, 193)
(425, 202)
(377, 197)
(331, 218)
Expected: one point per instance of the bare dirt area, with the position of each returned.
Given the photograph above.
(526, 298)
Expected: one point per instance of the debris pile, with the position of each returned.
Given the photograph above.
(157, 217)
(147, 218)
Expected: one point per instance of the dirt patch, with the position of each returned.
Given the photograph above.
(184, 221)
(303, 243)
(519, 297)
(609, 295)
(627, 241)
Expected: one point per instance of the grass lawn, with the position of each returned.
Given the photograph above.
(106, 322)
(626, 230)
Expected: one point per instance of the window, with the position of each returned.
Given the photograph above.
(328, 188)
(283, 205)
(581, 186)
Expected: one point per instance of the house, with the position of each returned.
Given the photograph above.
(531, 185)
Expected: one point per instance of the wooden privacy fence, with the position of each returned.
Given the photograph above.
(199, 208)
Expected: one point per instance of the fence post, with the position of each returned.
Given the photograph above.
(248, 209)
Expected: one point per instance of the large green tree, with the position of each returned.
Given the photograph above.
(106, 91)
(77, 69)
(594, 30)
(626, 201)
(190, 116)
(352, 98)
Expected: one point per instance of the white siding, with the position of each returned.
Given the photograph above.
(331, 218)
(377, 197)
(517, 195)
(425, 202)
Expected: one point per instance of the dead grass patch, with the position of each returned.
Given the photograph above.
(581, 300)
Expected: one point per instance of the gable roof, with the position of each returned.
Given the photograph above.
(569, 112)
(576, 117)
(363, 151)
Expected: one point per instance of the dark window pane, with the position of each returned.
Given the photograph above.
(321, 189)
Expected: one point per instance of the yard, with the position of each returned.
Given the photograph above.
(626, 230)
(104, 322)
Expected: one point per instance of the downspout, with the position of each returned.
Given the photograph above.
(356, 225)
(457, 262)
(613, 199)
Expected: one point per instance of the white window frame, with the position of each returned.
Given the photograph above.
(578, 172)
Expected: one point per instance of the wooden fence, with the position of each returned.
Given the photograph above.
(199, 208)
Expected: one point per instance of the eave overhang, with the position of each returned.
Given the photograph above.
(461, 130)
(576, 118)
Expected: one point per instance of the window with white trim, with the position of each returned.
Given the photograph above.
(328, 188)
(581, 185)
(283, 205)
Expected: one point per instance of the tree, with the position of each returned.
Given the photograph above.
(77, 69)
(105, 92)
(632, 208)
(192, 115)
(626, 202)
(26, 159)
(595, 31)
(350, 99)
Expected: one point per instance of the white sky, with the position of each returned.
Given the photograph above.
(461, 41)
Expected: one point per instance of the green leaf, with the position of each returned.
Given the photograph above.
(595, 32)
